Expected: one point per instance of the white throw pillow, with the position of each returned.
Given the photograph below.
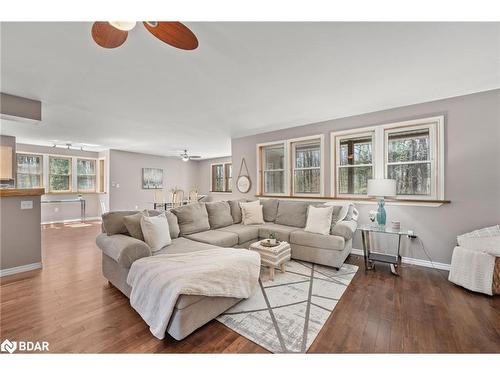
(156, 231)
(348, 209)
(251, 213)
(319, 220)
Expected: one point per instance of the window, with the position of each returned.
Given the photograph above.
(29, 171)
(85, 175)
(273, 169)
(59, 174)
(354, 163)
(228, 174)
(411, 152)
(306, 167)
(221, 177)
(408, 160)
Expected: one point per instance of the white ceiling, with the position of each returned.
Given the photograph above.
(243, 79)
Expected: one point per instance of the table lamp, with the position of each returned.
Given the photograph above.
(381, 188)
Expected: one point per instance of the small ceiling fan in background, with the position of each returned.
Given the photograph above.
(114, 33)
(186, 157)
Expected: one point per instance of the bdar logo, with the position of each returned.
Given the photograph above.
(8, 346)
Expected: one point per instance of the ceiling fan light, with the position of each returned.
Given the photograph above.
(123, 25)
(185, 158)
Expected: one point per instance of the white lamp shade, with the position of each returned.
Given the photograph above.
(382, 187)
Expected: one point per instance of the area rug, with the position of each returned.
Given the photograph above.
(286, 315)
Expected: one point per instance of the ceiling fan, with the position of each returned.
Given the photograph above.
(186, 157)
(114, 33)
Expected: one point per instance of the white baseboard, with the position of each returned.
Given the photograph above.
(71, 220)
(415, 261)
(19, 269)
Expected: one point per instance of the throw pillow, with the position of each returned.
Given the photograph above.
(269, 209)
(219, 214)
(133, 224)
(155, 231)
(319, 220)
(292, 213)
(192, 218)
(251, 213)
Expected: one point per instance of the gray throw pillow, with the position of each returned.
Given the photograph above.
(236, 209)
(192, 218)
(219, 214)
(113, 223)
(292, 213)
(133, 224)
(269, 209)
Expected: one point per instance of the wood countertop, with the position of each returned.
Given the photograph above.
(21, 192)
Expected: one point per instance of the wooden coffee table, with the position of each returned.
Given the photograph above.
(272, 257)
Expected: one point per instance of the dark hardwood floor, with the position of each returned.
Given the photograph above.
(71, 305)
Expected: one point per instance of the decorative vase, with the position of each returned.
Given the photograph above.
(381, 216)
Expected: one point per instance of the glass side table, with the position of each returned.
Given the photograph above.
(372, 256)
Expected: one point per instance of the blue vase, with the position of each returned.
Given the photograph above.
(381, 213)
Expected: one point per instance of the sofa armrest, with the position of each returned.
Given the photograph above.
(345, 228)
(125, 250)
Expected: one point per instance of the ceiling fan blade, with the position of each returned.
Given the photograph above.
(174, 33)
(108, 36)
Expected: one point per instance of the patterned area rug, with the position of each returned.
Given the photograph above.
(286, 315)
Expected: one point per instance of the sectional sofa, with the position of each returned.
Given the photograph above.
(201, 226)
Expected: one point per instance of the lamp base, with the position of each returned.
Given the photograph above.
(381, 215)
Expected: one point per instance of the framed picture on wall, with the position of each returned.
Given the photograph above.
(152, 178)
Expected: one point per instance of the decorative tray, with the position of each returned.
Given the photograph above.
(267, 244)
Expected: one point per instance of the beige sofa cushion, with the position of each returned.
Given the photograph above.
(113, 223)
(301, 237)
(251, 213)
(282, 231)
(133, 224)
(192, 218)
(219, 214)
(345, 229)
(236, 209)
(292, 213)
(245, 232)
(124, 249)
(269, 209)
(183, 245)
(215, 237)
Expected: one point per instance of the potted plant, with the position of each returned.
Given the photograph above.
(272, 238)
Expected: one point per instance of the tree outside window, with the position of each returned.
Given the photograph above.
(29, 171)
(86, 175)
(59, 174)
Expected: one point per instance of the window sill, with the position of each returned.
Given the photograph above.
(388, 202)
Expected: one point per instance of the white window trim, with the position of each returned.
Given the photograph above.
(379, 147)
(75, 165)
(260, 171)
(71, 174)
(291, 168)
(335, 150)
(73, 181)
(223, 176)
(42, 174)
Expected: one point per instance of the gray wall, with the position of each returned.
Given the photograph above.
(472, 168)
(203, 177)
(57, 212)
(125, 170)
(20, 237)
